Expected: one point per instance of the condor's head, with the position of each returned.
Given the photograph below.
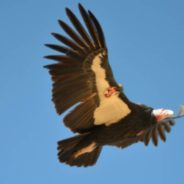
(161, 121)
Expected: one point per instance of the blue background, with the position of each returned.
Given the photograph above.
(146, 50)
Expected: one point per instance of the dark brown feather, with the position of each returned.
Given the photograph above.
(127, 142)
(161, 133)
(171, 122)
(65, 50)
(66, 98)
(81, 117)
(75, 84)
(147, 137)
(60, 68)
(73, 34)
(68, 147)
(69, 43)
(155, 136)
(78, 26)
(90, 26)
(99, 30)
(63, 58)
(65, 74)
(61, 80)
(167, 127)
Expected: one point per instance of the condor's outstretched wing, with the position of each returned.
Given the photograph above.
(156, 131)
(82, 76)
(153, 133)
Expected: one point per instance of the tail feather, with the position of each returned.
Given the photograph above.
(78, 151)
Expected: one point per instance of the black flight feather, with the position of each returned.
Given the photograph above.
(81, 117)
(99, 30)
(68, 42)
(90, 26)
(65, 50)
(161, 133)
(78, 26)
(72, 34)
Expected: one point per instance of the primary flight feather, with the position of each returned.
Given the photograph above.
(103, 115)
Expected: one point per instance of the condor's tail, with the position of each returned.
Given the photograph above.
(78, 151)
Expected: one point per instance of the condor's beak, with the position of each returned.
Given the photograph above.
(161, 114)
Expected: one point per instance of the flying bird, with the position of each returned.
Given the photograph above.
(99, 112)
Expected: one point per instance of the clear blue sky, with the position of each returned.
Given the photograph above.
(146, 49)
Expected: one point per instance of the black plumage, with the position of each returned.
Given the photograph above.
(102, 114)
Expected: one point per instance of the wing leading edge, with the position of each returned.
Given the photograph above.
(82, 74)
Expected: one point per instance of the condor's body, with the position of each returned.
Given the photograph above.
(103, 115)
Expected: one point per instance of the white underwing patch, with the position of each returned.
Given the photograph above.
(111, 109)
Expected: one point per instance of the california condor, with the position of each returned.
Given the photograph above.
(102, 114)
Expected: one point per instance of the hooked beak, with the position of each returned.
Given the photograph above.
(161, 114)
